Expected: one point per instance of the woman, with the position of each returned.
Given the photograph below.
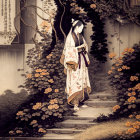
(76, 61)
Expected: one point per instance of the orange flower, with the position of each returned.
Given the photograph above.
(132, 99)
(19, 131)
(56, 90)
(44, 73)
(119, 69)
(56, 106)
(50, 107)
(137, 87)
(47, 90)
(110, 71)
(130, 116)
(129, 89)
(133, 93)
(37, 106)
(112, 68)
(29, 76)
(128, 124)
(117, 64)
(137, 116)
(38, 70)
(41, 130)
(33, 122)
(134, 78)
(51, 81)
(37, 75)
(129, 94)
(132, 130)
(116, 107)
(112, 55)
(93, 6)
(20, 113)
(45, 24)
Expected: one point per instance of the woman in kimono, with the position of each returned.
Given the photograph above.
(75, 60)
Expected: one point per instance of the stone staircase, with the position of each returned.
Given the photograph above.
(100, 101)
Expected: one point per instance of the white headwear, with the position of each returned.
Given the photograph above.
(74, 22)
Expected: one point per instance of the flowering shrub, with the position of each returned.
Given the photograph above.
(125, 79)
(124, 76)
(47, 103)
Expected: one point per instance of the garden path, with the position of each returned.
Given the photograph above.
(100, 101)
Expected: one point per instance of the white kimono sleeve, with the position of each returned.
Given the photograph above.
(70, 52)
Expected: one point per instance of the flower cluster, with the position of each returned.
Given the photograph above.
(20, 113)
(47, 90)
(41, 130)
(112, 55)
(134, 78)
(29, 75)
(37, 106)
(116, 107)
(53, 106)
(49, 56)
(132, 99)
(125, 67)
(128, 50)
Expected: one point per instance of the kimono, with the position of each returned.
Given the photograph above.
(77, 81)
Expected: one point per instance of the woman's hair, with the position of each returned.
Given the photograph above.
(79, 23)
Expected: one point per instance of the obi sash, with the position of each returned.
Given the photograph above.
(82, 52)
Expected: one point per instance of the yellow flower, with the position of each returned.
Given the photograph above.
(20, 113)
(37, 106)
(51, 102)
(137, 116)
(128, 124)
(42, 130)
(132, 130)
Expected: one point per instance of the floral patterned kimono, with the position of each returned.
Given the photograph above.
(77, 81)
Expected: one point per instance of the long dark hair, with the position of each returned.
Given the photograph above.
(80, 42)
(79, 23)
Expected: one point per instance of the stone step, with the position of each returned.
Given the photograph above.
(64, 131)
(79, 118)
(97, 103)
(57, 137)
(75, 124)
(102, 96)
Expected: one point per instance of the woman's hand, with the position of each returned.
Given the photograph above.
(81, 46)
